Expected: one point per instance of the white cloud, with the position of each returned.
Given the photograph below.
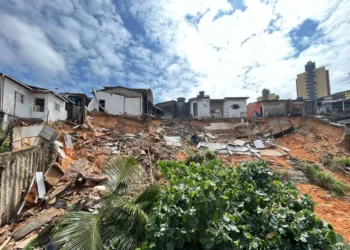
(29, 44)
(231, 54)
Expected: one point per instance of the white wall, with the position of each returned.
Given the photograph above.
(55, 115)
(203, 108)
(117, 104)
(133, 106)
(230, 112)
(22, 110)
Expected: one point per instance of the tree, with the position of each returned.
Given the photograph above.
(121, 220)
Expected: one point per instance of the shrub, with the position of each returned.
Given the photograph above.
(200, 157)
(212, 206)
(324, 179)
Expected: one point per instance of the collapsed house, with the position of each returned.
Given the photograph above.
(174, 109)
(19, 100)
(123, 101)
(76, 108)
(335, 104)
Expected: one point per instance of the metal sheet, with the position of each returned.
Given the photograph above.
(238, 148)
(41, 184)
(48, 133)
(259, 144)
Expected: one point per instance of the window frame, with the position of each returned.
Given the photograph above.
(41, 110)
(57, 107)
(100, 104)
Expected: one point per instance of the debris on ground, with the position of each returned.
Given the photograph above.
(74, 178)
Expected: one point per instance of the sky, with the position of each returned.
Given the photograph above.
(175, 47)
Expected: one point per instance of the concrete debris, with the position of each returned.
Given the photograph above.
(271, 152)
(59, 144)
(54, 174)
(173, 141)
(213, 146)
(68, 141)
(61, 153)
(209, 135)
(32, 194)
(238, 148)
(239, 143)
(259, 144)
(286, 149)
(57, 190)
(37, 222)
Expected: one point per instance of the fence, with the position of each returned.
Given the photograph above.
(16, 172)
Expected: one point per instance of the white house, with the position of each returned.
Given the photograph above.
(229, 107)
(18, 100)
(122, 101)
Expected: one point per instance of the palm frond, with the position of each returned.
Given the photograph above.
(124, 224)
(79, 231)
(122, 172)
(148, 197)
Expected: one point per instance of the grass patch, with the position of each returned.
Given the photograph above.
(283, 173)
(324, 179)
(343, 161)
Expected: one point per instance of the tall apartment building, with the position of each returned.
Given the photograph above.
(267, 96)
(314, 82)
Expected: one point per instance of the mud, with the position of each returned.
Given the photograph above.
(333, 210)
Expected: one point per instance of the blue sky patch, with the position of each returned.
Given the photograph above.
(303, 36)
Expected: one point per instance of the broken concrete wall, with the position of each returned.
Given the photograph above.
(16, 172)
(309, 107)
(254, 109)
(216, 108)
(26, 136)
(296, 108)
(274, 108)
(168, 108)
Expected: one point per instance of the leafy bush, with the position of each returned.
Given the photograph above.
(324, 179)
(200, 157)
(212, 206)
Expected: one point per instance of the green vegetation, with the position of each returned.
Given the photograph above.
(121, 220)
(335, 164)
(213, 206)
(205, 205)
(324, 179)
(343, 161)
(200, 157)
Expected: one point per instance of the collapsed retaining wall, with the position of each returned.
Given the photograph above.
(16, 172)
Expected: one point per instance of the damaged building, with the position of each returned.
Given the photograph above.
(123, 101)
(19, 100)
(174, 109)
(229, 107)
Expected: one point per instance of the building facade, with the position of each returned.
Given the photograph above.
(19, 100)
(229, 107)
(122, 101)
(313, 83)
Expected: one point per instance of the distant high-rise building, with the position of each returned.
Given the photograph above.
(314, 82)
(267, 96)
